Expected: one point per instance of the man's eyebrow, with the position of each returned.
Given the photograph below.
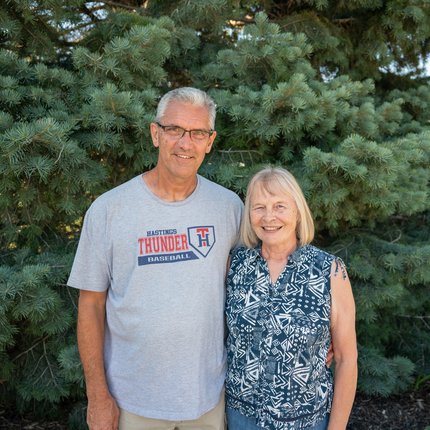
(193, 129)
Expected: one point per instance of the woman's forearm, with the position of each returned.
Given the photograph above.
(345, 383)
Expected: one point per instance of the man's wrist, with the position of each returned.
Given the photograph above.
(96, 394)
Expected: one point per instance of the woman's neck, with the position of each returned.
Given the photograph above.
(278, 253)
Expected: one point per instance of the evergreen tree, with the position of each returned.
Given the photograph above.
(316, 86)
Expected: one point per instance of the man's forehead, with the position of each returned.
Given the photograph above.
(176, 108)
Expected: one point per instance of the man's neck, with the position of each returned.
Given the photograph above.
(168, 189)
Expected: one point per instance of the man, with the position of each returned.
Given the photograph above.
(151, 266)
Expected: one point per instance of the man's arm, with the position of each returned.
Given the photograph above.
(102, 412)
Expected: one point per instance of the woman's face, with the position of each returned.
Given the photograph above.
(274, 218)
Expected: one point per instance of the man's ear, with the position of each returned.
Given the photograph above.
(211, 141)
(154, 134)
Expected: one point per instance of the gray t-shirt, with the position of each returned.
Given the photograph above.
(164, 266)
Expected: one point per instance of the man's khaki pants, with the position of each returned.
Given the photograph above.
(212, 420)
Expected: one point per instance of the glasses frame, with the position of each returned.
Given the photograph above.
(211, 132)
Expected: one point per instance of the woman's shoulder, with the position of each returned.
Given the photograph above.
(318, 252)
(313, 251)
(243, 254)
(324, 259)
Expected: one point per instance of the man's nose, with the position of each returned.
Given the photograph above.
(185, 141)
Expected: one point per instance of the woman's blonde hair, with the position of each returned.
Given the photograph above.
(276, 180)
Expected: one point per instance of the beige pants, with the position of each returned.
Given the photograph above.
(212, 420)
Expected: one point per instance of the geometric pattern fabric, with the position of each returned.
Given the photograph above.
(279, 337)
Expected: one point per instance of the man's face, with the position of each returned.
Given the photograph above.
(181, 158)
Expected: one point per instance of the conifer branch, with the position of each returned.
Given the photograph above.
(71, 298)
(78, 27)
(245, 20)
(395, 240)
(120, 5)
(413, 316)
(36, 367)
(56, 161)
(49, 365)
(343, 21)
(230, 151)
(29, 349)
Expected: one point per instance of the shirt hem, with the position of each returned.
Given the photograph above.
(283, 420)
(168, 415)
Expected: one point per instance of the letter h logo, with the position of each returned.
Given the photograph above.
(203, 235)
(202, 239)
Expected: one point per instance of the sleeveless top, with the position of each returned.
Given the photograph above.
(279, 337)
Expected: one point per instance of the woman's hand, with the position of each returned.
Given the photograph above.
(330, 355)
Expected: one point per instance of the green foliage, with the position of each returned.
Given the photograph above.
(37, 313)
(303, 84)
(382, 376)
(363, 39)
(78, 418)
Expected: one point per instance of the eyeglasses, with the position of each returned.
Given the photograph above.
(175, 132)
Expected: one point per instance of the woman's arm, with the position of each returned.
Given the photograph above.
(342, 326)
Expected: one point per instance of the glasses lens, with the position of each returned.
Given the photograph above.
(176, 132)
(199, 135)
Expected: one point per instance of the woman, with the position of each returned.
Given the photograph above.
(286, 301)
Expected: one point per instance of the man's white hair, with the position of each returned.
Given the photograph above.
(187, 95)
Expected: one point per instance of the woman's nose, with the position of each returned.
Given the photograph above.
(268, 214)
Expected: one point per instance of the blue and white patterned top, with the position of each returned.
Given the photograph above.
(279, 338)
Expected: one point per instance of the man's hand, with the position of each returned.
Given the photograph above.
(103, 414)
(330, 355)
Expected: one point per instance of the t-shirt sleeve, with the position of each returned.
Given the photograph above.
(90, 270)
(239, 214)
